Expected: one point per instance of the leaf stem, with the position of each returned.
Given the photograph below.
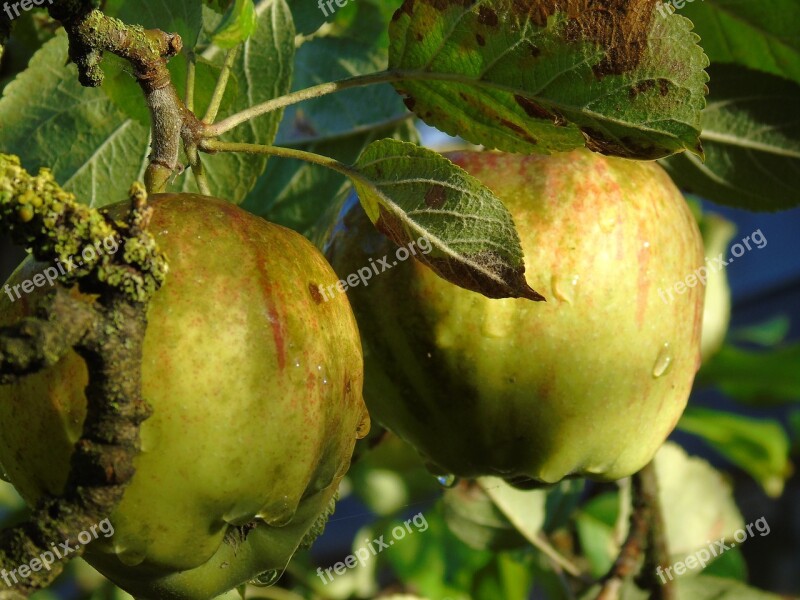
(198, 170)
(191, 75)
(214, 146)
(222, 84)
(307, 94)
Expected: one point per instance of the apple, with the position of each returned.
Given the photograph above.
(717, 234)
(256, 387)
(589, 383)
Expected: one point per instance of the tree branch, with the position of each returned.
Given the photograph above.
(106, 328)
(91, 33)
(646, 532)
(34, 344)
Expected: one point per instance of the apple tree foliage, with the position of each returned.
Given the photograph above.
(711, 92)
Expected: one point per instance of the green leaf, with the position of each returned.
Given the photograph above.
(474, 518)
(751, 136)
(411, 193)
(752, 34)
(759, 378)
(758, 446)
(696, 501)
(93, 148)
(694, 588)
(524, 77)
(307, 16)
(504, 577)
(729, 565)
(263, 70)
(768, 334)
(238, 25)
(595, 527)
(184, 17)
(528, 510)
(435, 563)
(295, 193)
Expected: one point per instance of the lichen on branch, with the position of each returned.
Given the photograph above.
(41, 215)
(105, 326)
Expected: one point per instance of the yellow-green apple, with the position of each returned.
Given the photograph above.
(589, 383)
(256, 387)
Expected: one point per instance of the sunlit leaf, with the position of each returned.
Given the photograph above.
(237, 26)
(541, 76)
(410, 192)
(697, 503)
(758, 446)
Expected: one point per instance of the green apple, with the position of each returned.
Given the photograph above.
(256, 387)
(589, 383)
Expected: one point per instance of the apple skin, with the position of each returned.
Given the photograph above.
(256, 386)
(589, 383)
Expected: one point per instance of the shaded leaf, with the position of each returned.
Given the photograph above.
(436, 563)
(729, 565)
(751, 136)
(49, 119)
(760, 447)
(474, 518)
(326, 59)
(307, 16)
(758, 378)
(410, 192)
(184, 17)
(754, 34)
(704, 587)
(263, 70)
(526, 77)
(595, 527)
(296, 193)
(769, 333)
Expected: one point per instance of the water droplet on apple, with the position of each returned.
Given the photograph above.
(129, 557)
(564, 287)
(448, 481)
(663, 361)
(267, 579)
(278, 514)
(4, 476)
